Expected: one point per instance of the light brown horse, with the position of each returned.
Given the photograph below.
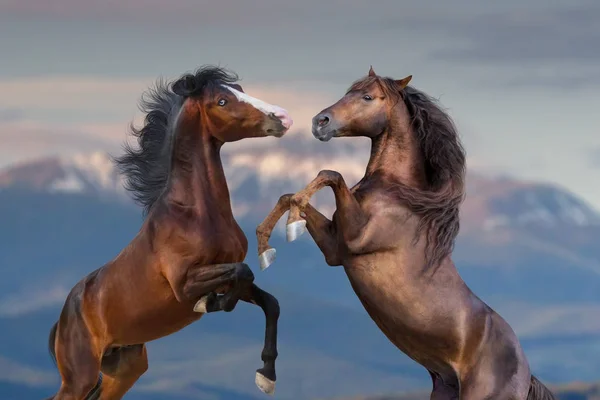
(187, 258)
(394, 233)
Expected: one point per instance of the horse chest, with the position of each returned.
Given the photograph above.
(389, 225)
(389, 289)
(231, 246)
(216, 241)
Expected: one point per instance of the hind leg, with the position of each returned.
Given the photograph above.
(441, 390)
(494, 378)
(499, 369)
(121, 369)
(490, 387)
(77, 359)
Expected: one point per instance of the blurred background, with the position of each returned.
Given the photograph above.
(520, 79)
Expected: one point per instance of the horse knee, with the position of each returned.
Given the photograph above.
(275, 308)
(244, 273)
(125, 361)
(138, 367)
(272, 309)
(143, 366)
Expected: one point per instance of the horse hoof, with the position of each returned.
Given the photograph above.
(295, 229)
(266, 258)
(265, 384)
(201, 305)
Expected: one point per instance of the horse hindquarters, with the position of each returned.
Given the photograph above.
(537, 391)
(121, 369)
(498, 369)
(78, 368)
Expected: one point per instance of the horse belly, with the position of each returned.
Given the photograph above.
(154, 320)
(419, 327)
(141, 306)
(138, 302)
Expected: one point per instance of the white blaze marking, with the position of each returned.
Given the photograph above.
(264, 107)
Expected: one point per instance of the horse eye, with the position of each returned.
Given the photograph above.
(222, 102)
(367, 97)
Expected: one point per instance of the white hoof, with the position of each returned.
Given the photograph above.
(295, 230)
(266, 258)
(201, 305)
(265, 384)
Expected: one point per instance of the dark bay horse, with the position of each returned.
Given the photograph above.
(394, 233)
(187, 259)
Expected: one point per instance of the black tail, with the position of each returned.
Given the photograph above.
(94, 394)
(537, 391)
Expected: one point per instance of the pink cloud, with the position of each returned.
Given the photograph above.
(24, 138)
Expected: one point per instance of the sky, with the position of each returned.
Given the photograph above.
(520, 79)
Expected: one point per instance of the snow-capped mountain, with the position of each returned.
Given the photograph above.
(257, 176)
(87, 173)
(505, 202)
(528, 249)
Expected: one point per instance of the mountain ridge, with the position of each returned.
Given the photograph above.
(541, 203)
(542, 277)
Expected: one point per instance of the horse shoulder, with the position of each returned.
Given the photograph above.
(184, 238)
(387, 222)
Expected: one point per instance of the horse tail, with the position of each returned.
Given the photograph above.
(94, 394)
(537, 391)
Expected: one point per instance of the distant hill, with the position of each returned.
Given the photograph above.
(529, 249)
(574, 391)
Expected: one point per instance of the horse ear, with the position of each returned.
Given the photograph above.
(184, 86)
(237, 87)
(371, 72)
(404, 82)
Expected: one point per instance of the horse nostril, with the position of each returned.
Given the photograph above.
(323, 120)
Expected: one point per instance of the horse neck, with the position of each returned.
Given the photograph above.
(396, 155)
(197, 177)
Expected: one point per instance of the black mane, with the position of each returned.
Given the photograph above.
(147, 168)
(203, 78)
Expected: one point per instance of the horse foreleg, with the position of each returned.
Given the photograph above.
(266, 254)
(244, 289)
(202, 281)
(265, 376)
(320, 228)
(352, 219)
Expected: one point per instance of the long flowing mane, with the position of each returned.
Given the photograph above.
(147, 168)
(445, 165)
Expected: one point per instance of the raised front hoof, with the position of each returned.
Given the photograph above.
(295, 229)
(202, 304)
(266, 258)
(265, 384)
